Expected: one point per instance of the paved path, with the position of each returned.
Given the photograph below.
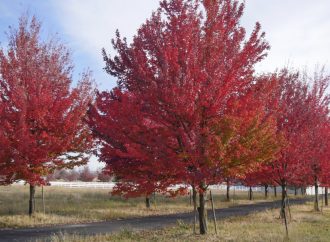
(150, 222)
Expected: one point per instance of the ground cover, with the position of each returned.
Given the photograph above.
(63, 205)
(305, 225)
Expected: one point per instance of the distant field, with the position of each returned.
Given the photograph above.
(64, 205)
(305, 226)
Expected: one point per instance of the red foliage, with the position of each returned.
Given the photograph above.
(72, 175)
(41, 121)
(188, 108)
(287, 104)
(103, 176)
(315, 139)
(302, 118)
(87, 175)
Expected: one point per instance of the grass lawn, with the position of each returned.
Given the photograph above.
(65, 205)
(304, 226)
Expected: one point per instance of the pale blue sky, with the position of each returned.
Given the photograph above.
(297, 30)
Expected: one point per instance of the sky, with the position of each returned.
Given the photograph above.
(297, 30)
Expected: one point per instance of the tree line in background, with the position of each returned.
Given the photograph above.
(188, 109)
(85, 175)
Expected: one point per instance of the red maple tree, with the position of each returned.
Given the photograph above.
(301, 115)
(86, 175)
(315, 139)
(186, 77)
(41, 122)
(287, 105)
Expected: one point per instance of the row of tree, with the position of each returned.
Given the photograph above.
(188, 109)
(85, 175)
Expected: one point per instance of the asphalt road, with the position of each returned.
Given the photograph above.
(144, 223)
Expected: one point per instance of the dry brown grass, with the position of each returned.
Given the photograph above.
(304, 226)
(17, 221)
(64, 205)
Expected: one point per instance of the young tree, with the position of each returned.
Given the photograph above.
(86, 175)
(315, 139)
(325, 178)
(103, 176)
(325, 172)
(288, 108)
(62, 175)
(260, 177)
(41, 123)
(72, 175)
(301, 113)
(186, 90)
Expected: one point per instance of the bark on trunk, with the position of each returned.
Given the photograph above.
(202, 213)
(250, 194)
(147, 202)
(295, 191)
(316, 201)
(194, 198)
(326, 196)
(266, 191)
(31, 200)
(283, 207)
(303, 191)
(228, 190)
(275, 191)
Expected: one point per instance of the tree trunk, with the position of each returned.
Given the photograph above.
(194, 198)
(326, 196)
(283, 207)
(316, 201)
(43, 199)
(228, 190)
(31, 200)
(303, 191)
(250, 194)
(295, 191)
(147, 202)
(266, 191)
(275, 191)
(202, 213)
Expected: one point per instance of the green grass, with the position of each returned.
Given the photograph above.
(64, 205)
(304, 226)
